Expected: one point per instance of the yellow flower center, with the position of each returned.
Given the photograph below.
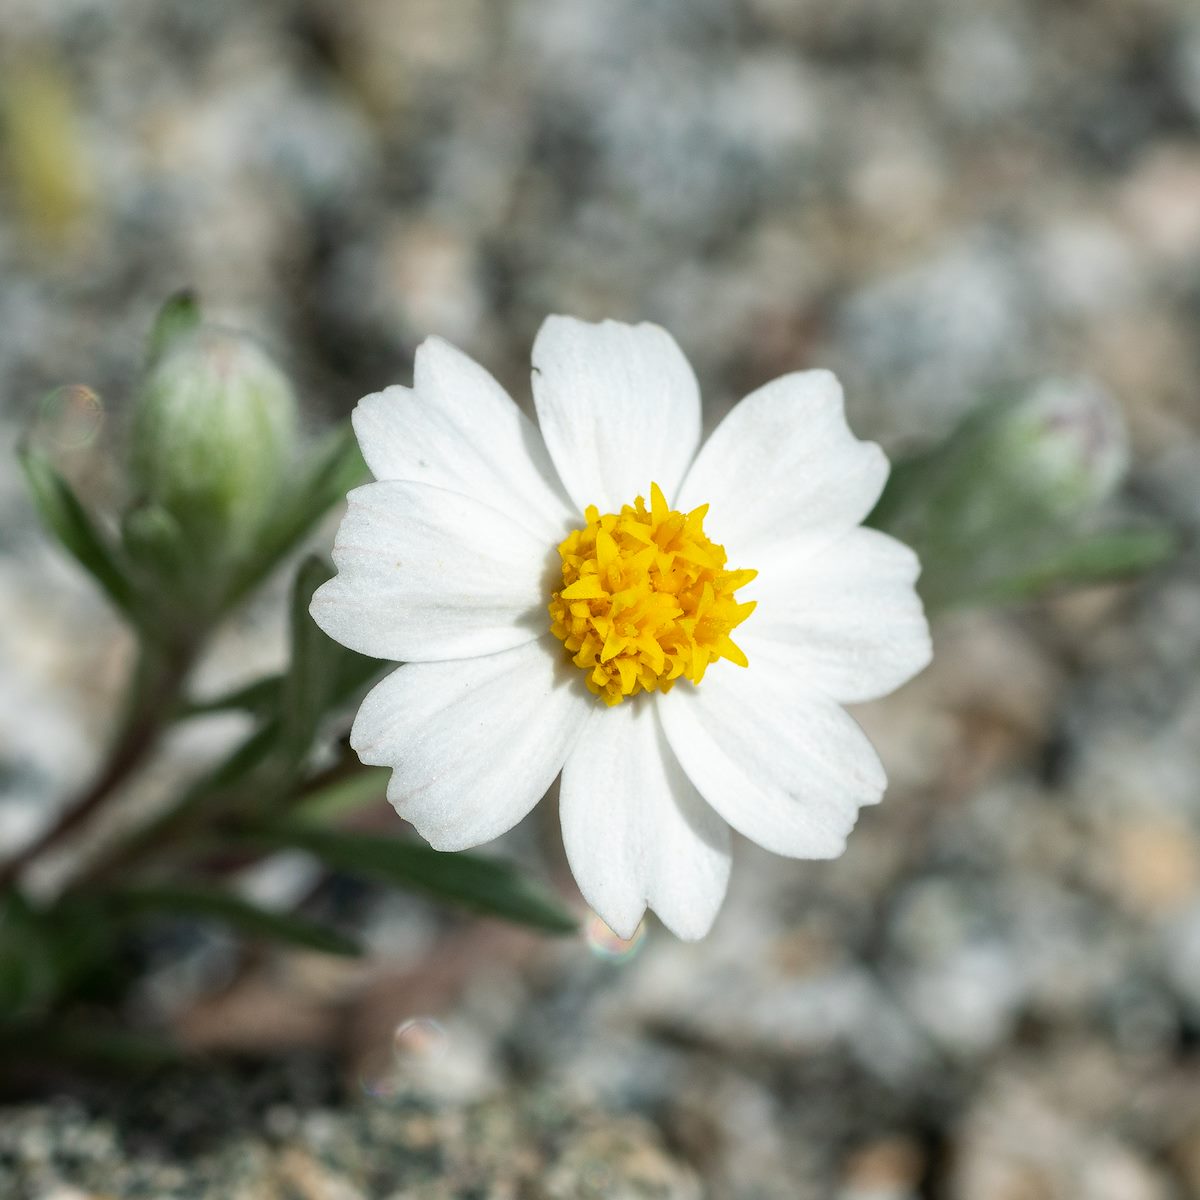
(646, 599)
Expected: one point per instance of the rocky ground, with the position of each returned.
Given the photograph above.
(995, 994)
(268, 1136)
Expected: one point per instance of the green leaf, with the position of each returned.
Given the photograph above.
(228, 909)
(352, 674)
(256, 774)
(197, 800)
(68, 520)
(485, 885)
(263, 698)
(321, 674)
(87, 1043)
(1098, 558)
(49, 952)
(179, 316)
(238, 766)
(334, 469)
(308, 684)
(28, 975)
(344, 794)
(259, 698)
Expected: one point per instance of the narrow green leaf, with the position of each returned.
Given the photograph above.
(1097, 558)
(46, 953)
(179, 316)
(68, 520)
(84, 1042)
(321, 674)
(344, 795)
(306, 688)
(486, 885)
(353, 672)
(239, 764)
(259, 698)
(228, 909)
(199, 798)
(28, 978)
(349, 674)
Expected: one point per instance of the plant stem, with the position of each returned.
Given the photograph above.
(157, 678)
(200, 803)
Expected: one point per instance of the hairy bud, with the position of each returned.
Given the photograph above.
(214, 433)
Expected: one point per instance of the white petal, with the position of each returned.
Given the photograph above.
(783, 466)
(635, 830)
(846, 619)
(427, 574)
(473, 745)
(618, 406)
(783, 765)
(458, 429)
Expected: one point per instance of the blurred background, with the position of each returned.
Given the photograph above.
(995, 994)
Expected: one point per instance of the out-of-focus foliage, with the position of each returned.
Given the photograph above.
(222, 495)
(1013, 503)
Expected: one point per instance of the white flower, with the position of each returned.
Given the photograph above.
(497, 560)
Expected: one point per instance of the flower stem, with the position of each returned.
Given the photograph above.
(154, 687)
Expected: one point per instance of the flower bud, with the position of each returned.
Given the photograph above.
(1066, 443)
(214, 431)
(1008, 496)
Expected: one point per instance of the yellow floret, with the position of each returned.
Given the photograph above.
(646, 599)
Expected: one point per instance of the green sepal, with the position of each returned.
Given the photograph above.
(158, 555)
(177, 318)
